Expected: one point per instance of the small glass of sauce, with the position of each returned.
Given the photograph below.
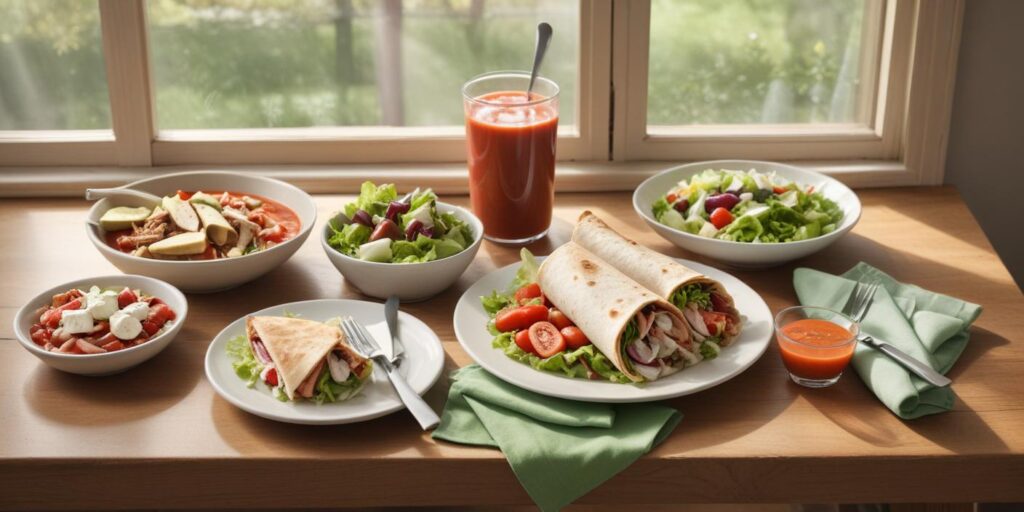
(816, 344)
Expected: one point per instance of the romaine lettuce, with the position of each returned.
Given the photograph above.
(372, 199)
(245, 364)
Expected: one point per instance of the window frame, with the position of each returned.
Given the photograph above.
(609, 151)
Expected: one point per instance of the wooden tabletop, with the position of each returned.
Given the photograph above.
(159, 437)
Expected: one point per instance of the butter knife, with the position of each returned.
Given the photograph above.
(907, 361)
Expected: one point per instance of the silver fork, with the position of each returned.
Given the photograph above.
(857, 307)
(363, 342)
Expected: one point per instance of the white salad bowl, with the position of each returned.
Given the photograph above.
(409, 281)
(210, 275)
(745, 254)
(111, 362)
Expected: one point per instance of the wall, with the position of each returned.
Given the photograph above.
(985, 159)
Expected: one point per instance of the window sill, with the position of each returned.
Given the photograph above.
(448, 178)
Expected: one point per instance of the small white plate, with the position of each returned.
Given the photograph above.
(471, 329)
(421, 366)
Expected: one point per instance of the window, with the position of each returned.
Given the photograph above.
(52, 75)
(861, 88)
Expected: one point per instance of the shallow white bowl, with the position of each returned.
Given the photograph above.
(409, 281)
(741, 254)
(211, 275)
(111, 362)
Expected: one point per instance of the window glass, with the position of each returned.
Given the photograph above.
(279, 63)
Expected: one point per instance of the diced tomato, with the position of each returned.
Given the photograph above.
(271, 378)
(559, 319)
(546, 339)
(113, 345)
(721, 217)
(530, 291)
(160, 314)
(574, 337)
(153, 301)
(184, 196)
(520, 318)
(51, 318)
(150, 328)
(60, 299)
(715, 322)
(671, 198)
(40, 335)
(779, 190)
(127, 296)
(522, 339)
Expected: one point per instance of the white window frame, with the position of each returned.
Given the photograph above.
(609, 149)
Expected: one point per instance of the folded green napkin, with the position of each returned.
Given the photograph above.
(558, 449)
(926, 325)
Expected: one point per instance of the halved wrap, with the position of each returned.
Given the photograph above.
(708, 308)
(310, 358)
(644, 336)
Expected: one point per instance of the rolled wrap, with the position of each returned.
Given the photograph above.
(599, 299)
(653, 270)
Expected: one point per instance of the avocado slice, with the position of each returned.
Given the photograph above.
(181, 213)
(185, 244)
(217, 227)
(204, 198)
(122, 217)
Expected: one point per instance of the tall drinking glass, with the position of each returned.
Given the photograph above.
(510, 141)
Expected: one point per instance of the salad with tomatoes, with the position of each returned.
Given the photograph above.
(749, 206)
(98, 321)
(381, 227)
(529, 329)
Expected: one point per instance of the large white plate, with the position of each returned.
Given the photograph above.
(471, 329)
(422, 365)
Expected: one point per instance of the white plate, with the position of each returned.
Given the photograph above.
(422, 365)
(471, 329)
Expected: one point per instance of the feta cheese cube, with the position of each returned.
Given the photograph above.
(101, 305)
(137, 310)
(76, 321)
(124, 326)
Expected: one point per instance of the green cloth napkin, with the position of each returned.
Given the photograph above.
(929, 326)
(558, 449)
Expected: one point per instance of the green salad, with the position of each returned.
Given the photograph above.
(381, 227)
(529, 331)
(747, 206)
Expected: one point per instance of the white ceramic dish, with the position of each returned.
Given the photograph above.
(471, 330)
(742, 254)
(212, 275)
(111, 362)
(421, 366)
(411, 282)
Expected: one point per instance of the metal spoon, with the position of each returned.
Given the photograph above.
(543, 40)
(123, 196)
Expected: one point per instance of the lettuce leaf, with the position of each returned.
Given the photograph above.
(349, 237)
(691, 293)
(659, 208)
(569, 364)
(245, 364)
(328, 391)
(746, 228)
(527, 272)
(372, 199)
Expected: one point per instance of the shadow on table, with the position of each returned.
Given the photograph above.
(140, 392)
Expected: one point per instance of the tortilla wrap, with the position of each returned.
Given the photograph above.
(655, 271)
(295, 345)
(599, 299)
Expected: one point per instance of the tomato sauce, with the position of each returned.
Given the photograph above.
(512, 164)
(277, 212)
(815, 349)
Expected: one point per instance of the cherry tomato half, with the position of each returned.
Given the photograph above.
(546, 339)
(574, 337)
(520, 318)
(721, 217)
(530, 291)
(523, 341)
(559, 319)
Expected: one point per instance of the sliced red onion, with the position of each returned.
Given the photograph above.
(640, 352)
(361, 217)
(427, 232)
(396, 208)
(261, 352)
(413, 229)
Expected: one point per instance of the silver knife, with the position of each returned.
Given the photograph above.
(393, 351)
(907, 361)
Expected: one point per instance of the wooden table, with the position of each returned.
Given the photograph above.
(158, 436)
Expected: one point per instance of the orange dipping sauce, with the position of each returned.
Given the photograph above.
(815, 349)
(512, 164)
